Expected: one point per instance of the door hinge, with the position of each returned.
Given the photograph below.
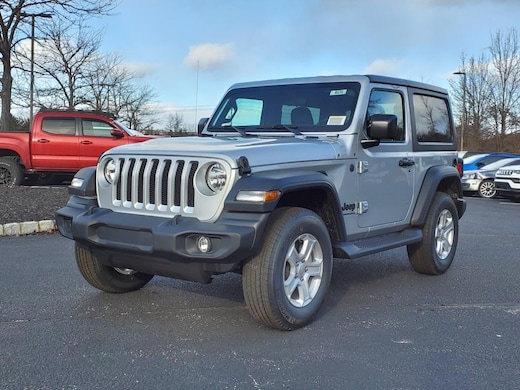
(362, 166)
(362, 207)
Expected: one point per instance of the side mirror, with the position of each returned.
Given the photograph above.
(380, 126)
(201, 125)
(116, 133)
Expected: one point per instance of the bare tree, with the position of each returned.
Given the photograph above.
(105, 75)
(137, 106)
(16, 16)
(505, 92)
(474, 90)
(63, 65)
(491, 89)
(72, 72)
(116, 89)
(175, 124)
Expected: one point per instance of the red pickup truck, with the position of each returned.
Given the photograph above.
(60, 142)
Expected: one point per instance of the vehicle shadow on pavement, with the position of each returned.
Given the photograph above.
(352, 282)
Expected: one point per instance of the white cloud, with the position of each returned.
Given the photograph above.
(388, 67)
(209, 56)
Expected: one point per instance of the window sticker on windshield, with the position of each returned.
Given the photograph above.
(338, 92)
(336, 120)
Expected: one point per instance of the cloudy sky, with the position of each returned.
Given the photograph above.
(193, 50)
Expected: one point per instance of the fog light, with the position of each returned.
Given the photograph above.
(67, 224)
(204, 244)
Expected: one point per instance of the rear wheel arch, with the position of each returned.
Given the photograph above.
(11, 172)
(442, 178)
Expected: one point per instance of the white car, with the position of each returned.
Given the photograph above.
(482, 181)
(507, 182)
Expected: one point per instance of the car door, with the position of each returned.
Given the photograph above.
(95, 139)
(386, 172)
(55, 144)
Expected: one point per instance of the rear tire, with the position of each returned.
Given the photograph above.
(11, 173)
(435, 253)
(285, 284)
(106, 278)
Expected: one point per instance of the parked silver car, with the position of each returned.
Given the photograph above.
(482, 181)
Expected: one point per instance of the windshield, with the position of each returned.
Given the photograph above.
(129, 131)
(295, 108)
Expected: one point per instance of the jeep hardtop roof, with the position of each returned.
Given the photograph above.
(342, 78)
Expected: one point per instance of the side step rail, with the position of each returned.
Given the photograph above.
(368, 246)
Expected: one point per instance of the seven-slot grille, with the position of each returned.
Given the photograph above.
(155, 184)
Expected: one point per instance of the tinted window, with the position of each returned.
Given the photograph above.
(61, 126)
(388, 102)
(97, 128)
(432, 119)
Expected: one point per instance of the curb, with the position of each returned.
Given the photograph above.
(25, 228)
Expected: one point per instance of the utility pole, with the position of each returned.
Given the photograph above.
(463, 121)
(31, 86)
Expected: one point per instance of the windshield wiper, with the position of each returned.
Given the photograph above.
(293, 129)
(239, 130)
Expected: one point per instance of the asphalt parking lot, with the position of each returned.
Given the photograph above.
(382, 326)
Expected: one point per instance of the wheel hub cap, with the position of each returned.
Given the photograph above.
(487, 189)
(303, 270)
(444, 234)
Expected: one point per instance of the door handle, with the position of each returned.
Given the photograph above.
(406, 162)
(43, 141)
(86, 142)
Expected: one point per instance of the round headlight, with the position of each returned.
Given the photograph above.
(216, 177)
(110, 171)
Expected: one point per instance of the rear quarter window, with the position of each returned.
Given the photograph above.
(432, 119)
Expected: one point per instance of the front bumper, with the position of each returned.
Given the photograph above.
(470, 185)
(505, 188)
(161, 246)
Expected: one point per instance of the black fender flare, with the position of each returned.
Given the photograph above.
(291, 182)
(442, 177)
(266, 182)
(86, 179)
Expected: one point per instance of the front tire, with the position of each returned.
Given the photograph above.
(487, 189)
(435, 253)
(106, 278)
(285, 284)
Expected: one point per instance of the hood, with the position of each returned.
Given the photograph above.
(482, 173)
(258, 151)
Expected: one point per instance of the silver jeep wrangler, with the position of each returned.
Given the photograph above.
(285, 176)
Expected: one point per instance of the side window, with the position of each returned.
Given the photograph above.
(432, 119)
(60, 126)
(388, 102)
(96, 128)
